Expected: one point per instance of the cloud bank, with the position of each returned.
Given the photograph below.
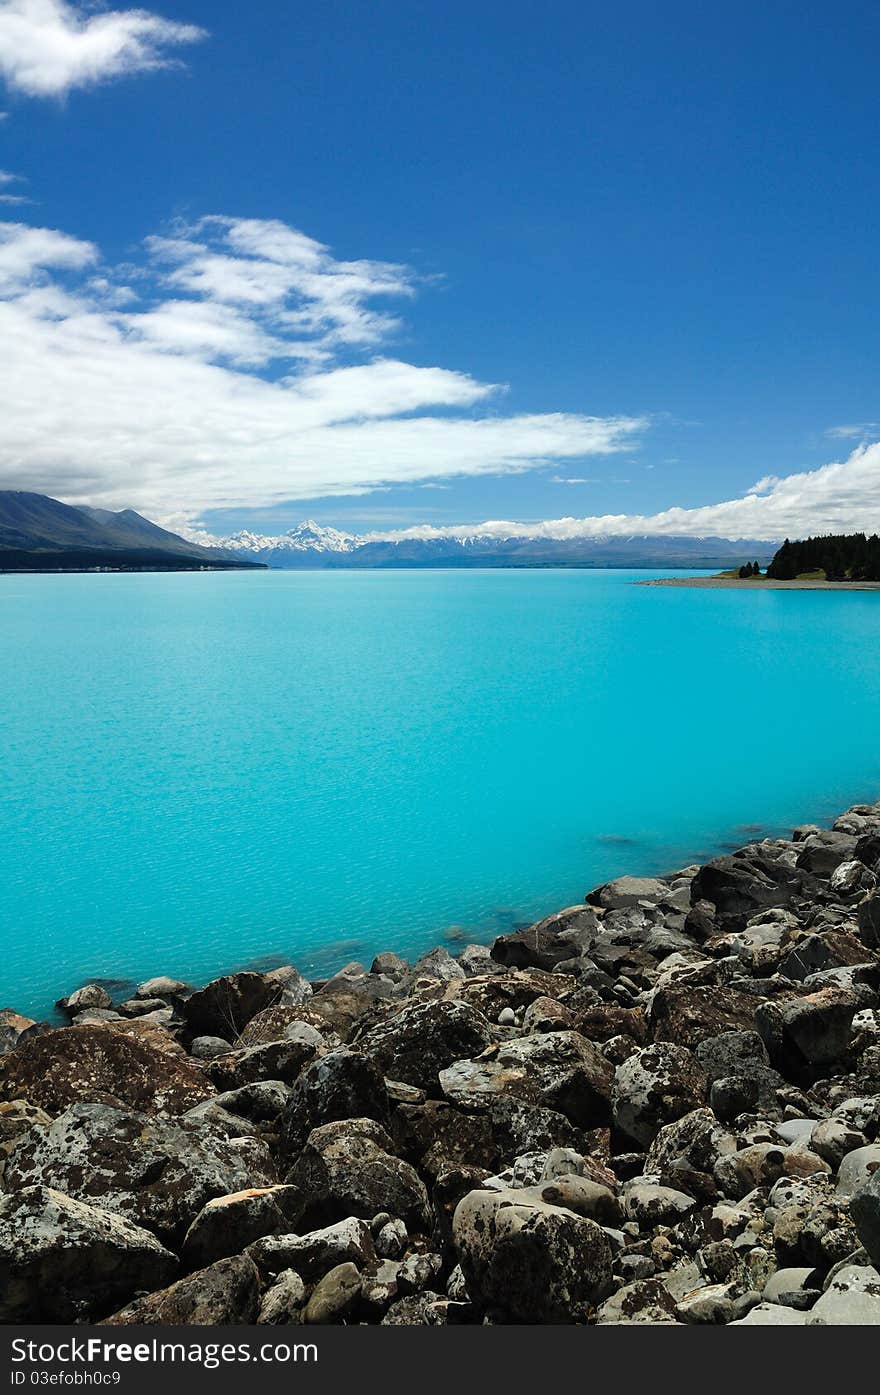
(236, 364)
(49, 47)
(842, 497)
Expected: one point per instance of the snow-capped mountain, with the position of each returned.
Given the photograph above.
(311, 545)
(308, 537)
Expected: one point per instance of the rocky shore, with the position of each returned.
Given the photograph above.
(659, 1106)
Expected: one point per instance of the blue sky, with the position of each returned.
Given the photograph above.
(653, 228)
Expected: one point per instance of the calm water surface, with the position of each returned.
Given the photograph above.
(205, 771)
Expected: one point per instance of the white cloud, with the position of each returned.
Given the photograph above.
(837, 498)
(156, 402)
(858, 431)
(49, 47)
(12, 199)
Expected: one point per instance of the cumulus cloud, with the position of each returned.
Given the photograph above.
(49, 47)
(837, 498)
(237, 366)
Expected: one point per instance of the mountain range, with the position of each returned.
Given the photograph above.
(311, 545)
(42, 534)
(38, 533)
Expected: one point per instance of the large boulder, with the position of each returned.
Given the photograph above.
(276, 1060)
(281, 1022)
(744, 882)
(549, 942)
(103, 1064)
(865, 1211)
(314, 1254)
(226, 1225)
(91, 995)
(225, 1005)
(655, 1086)
(739, 1068)
(868, 917)
(687, 1015)
(225, 1294)
(15, 1028)
(561, 1071)
(624, 892)
(156, 1173)
(435, 1135)
(532, 1260)
(824, 851)
(66, 1261)
(341, 1084)
(804, 1034)
(348, 1168)
(415, 1044)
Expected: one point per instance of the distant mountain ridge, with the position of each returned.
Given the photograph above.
(312, 546)
(38, 533)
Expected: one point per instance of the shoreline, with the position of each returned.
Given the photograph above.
(659, 1105)
(725, 583)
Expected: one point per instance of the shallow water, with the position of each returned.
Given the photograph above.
(203, 771)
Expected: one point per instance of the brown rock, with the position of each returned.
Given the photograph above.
(101, 1064)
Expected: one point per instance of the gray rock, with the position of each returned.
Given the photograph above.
(711, 1303)
(833, 1139)
(341, 1084)
(628, 891)
(851, 878)
(91, 995)
(226, 1293)
(803, 1033)
(421, 1040)
(549, 942)
(787, 1281)
(539, 1263)
(282, 1303)
(276, 1060)
(851, 1299)
(561, 1071)
(156, 1173)
(438, 964)
(348, 1168)
(651, 1205)
(771, 1315)
(314, 1254)
(391, 1240)
(64, 1261)
(856, 1168)
(868, 916)
(15, 1028)
(162, 987)
(390, 965)
(418, 1310)
(226, 1225)
(294, 988)
(225, 1005)
(334, 1296)
(655, 1086)
(642, 1301)
(865, 1211)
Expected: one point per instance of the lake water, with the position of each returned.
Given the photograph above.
(205, 771)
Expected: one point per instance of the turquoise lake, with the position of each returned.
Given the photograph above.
(202, 772)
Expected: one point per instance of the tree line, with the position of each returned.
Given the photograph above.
(843, 556)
